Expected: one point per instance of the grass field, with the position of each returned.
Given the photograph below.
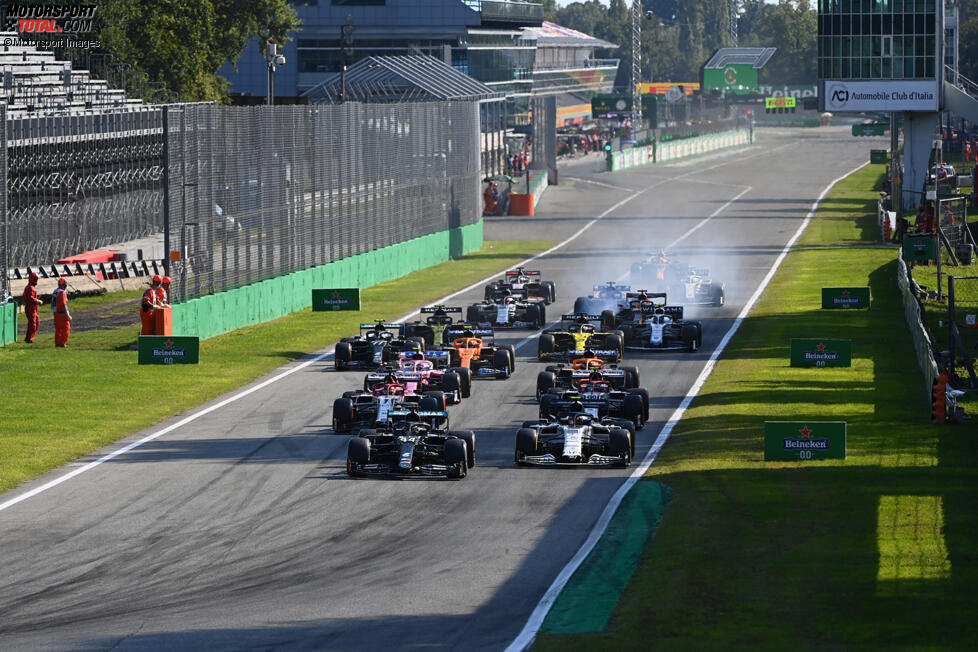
(59, 404)
(876, 551)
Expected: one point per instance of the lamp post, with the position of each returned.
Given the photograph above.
(273, 59)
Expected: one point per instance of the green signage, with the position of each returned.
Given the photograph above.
(610, 104)
(917, 247)
(804, 440)
(855, 297)
(737, 78)
(336, 299)
(169, 349)
(821, 353)
(650, 109)
(878, 156)
(872, 129)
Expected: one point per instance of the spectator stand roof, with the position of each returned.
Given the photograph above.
(553, 35)
(756, 57)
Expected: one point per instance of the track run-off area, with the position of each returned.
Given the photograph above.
(235, 526)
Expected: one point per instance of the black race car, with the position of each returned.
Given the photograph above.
(376, 345)
(502, 310)
(575, 439)
(411, 443)
(693, 284)
(432, 330)
(599, 398)
(609, 296)
(578, 335)
(361, 408)
(524, 284)
(563, 376)
(649, 324)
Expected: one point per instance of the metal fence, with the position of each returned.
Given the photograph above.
(243, 193)
(962, 322)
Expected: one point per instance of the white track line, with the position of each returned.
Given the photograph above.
(322, 356)
(526, 636)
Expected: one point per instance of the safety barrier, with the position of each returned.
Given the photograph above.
(675, 149)
(886, 220)
(921, 342)
(8, 323)
(115, 269)
(214, 314)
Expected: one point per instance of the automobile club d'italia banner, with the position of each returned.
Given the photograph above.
(883, 95)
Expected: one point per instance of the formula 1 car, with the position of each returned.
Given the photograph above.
(693, 284)
(420, 375)
(475, 349)
(524, 284)
(562, 376)
(575, 439)
(376, 345)
(432, 331)
(364, 408)
(412, 443)
(609, 296)
(576, 336)
(502, 310)
(599, 398)
(651, 325)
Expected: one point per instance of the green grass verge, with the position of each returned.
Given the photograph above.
(59, 404)
(872, 552)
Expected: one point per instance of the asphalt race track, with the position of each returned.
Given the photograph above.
(241, 529)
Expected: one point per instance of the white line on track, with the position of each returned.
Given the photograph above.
(329, 352)
(526, 636)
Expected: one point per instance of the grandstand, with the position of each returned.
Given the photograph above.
(36, 81)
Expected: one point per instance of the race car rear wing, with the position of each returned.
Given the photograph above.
(434, 417)
(651, 295)
(523, 272)
(391, 327)
(468, 330)
(445, 309)
(612, 286)
(580, 316)
(701, 271)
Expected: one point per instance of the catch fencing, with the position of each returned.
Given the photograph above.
(243, 194)
(962, 323)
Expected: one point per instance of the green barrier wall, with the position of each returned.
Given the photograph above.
(226, 311)
(8, 323)
(674, 149)
(538, 184)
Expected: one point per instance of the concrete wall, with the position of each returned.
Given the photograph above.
(226, 311)
(8, 323)
(674, 149)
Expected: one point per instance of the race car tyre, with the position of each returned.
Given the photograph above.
(511, 350)
(357, 452)
(644, 393)
(620, 444)
(626, 331)
(469, 438)
(422, 331)
(433, 401)
(464, 380)
(473, 314)
(457, 458)
(718, 295)
(689, 337)
(607, 319)
(545, 346)
(350, 394)
(451, 383)
(535, 422)
(501, 361)
(342, 355)
(535, 315)
(627, 425)
(551, 291)
(633, 409)
(632, 378)
(367, 432)
(551, 367)
(342, 414)
(582, 305)
(546, 409)
(699, 334)
(526, 444)
(546, 380)
(492, 287)
(612, 341)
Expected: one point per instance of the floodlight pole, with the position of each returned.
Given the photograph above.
(637, 15)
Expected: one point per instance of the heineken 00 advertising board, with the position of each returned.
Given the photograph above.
(821, 353)
(336, 299)
(856, 297)
(169, 349)
(919, 247)
(790, 441)
(878, 156)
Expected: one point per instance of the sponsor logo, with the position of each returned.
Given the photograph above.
(730, 75)
(169, 353)
(840, 95)
(791, 444)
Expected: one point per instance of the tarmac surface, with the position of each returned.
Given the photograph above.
(241, 530)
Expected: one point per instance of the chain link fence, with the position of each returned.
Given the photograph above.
(242, 193)
(962, 321)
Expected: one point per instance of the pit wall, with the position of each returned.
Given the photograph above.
(8, 323)
(259, 302)
(674, 149)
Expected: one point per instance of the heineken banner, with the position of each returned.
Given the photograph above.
(919, 247)
(804, 440)
(821, 353)
(856, 297)
(336, 299)
(169, 349)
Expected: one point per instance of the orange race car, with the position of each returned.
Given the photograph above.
(475, 349)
